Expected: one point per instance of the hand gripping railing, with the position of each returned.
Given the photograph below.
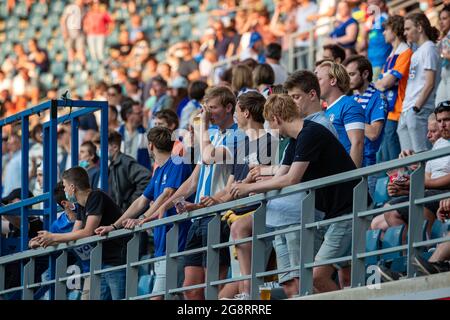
(50, 174)
(358, 217)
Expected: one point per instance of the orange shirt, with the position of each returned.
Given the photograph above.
(400, 70)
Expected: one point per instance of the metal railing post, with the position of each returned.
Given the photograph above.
(74, 142)
(24, 189)
(95, 279)
(258, 250)
(132, 273)
(171, 263)
(104, 147)
(416, 217)
(46, 173)
(61, 272)
(291, 54)
(311, 50)
(53, 177)
(359, 227)
(28, 279)
(212, 258)
(2, 277)
(307, 243)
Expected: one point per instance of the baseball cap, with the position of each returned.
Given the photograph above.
(254, 37)
(179, 82)
(15, 194)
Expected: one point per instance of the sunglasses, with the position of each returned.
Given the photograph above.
(444, 104)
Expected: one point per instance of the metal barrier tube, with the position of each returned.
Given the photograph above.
(212, 257)
(171, 262)
(74, 135)
(359, 227)
(104, 146)
(416, 217)
(306, 239)
(258, 250)
(132, 273)
(24, 184)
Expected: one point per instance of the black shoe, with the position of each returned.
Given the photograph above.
(431, 267)
(387, 274)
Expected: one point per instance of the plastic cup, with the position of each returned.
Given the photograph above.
(264, 292)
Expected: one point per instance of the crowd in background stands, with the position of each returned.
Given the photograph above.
(377, 82)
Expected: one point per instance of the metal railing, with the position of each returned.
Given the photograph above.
(49, 161)
(360, 218)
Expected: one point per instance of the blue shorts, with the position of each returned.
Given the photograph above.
(198, 237)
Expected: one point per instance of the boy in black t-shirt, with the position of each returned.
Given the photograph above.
(257, 148)
(96, 208)
(314, 152)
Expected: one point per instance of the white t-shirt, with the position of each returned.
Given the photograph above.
(426, 57)
(280, 73)
(441, 166)
(324, 6)
(303, 25)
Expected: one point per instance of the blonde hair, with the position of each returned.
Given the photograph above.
(241, 77)
(282, 106)
(338, 72)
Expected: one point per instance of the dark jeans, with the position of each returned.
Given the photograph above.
(390, 147)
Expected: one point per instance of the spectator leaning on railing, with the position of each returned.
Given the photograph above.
(258, 148)
(437, 180)
(307, 157)
(169, 175)
(96, 208)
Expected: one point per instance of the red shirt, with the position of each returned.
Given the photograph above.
(96, 23)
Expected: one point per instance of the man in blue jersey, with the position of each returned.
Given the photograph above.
(345, 113)
(209, 177)
(169, 175)
(377, 48)
(374, 104)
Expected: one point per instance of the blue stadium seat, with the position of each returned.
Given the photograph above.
(148, 23)
(58, 68)
(372, 244)
(381, 196)
(3, 11)
(74, 295)
(46, 80)
(439, 229)
(145, 284)
(39, 10)
(20, 9)
(57, 6)
(13, 34)
(392, 238)
(10, 246)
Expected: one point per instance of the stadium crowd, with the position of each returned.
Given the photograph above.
(380, 89)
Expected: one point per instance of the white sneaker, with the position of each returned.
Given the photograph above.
(240, 296)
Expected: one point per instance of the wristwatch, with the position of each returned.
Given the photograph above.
(416, 109)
